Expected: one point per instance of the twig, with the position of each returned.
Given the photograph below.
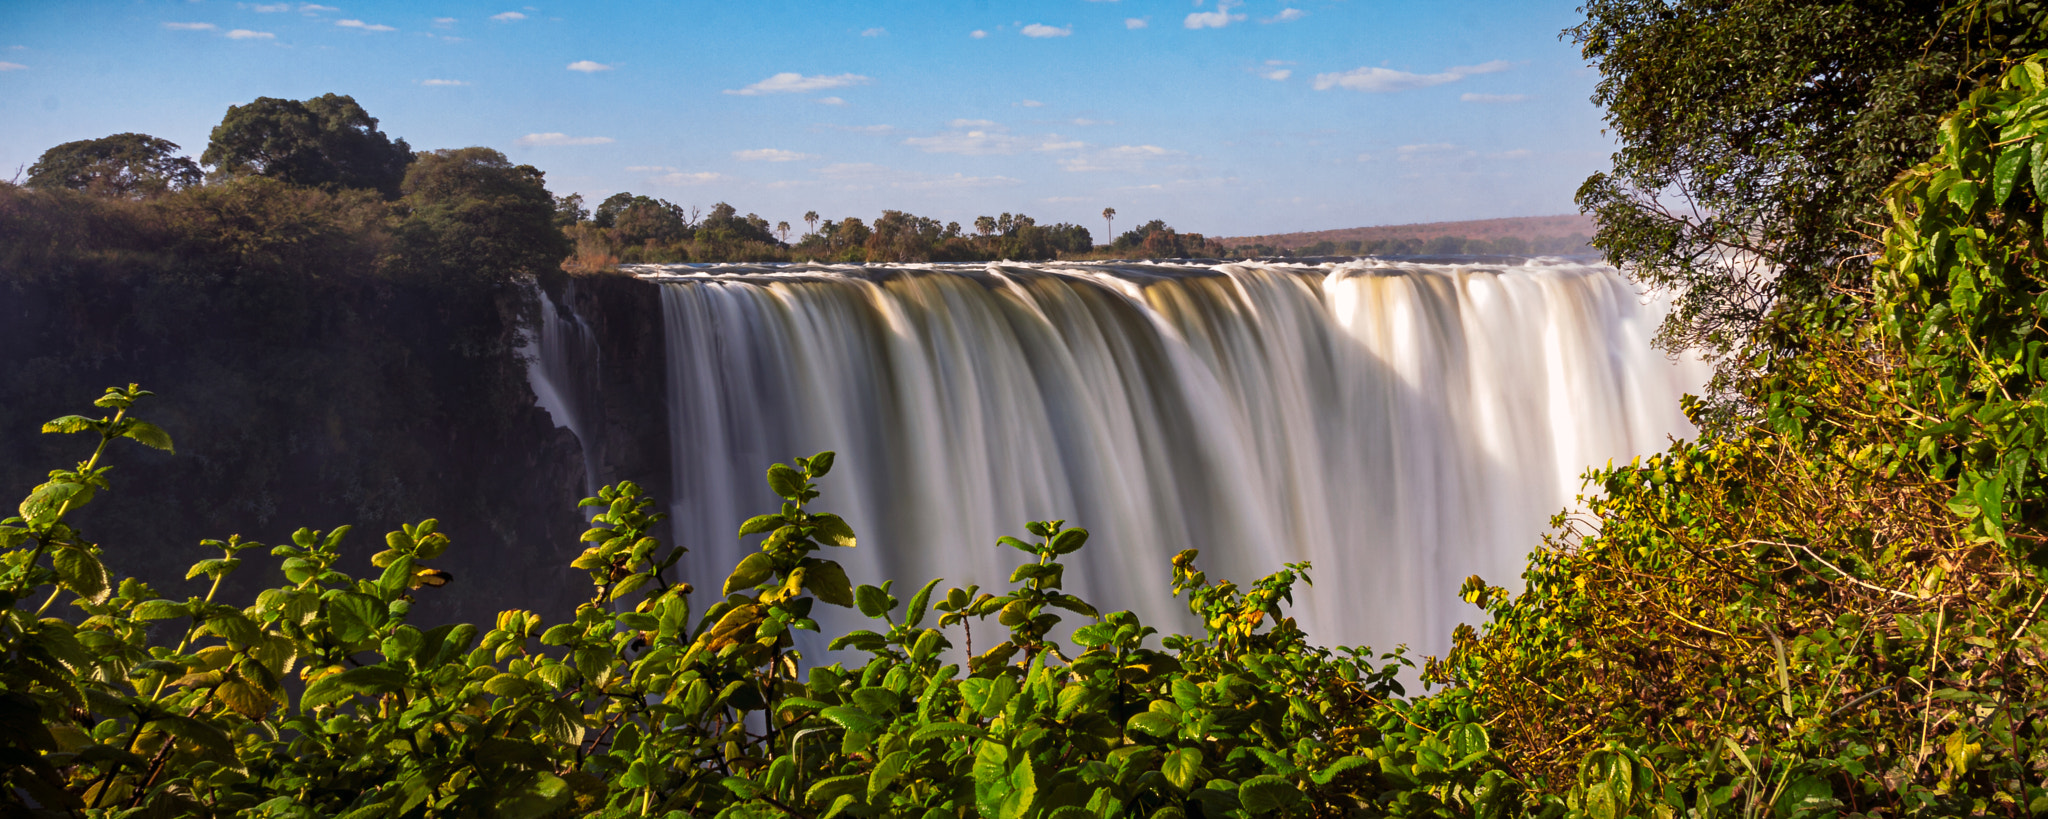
(1838, 570)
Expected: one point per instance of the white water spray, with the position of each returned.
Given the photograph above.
(1400, 425)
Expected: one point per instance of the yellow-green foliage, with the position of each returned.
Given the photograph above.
(1834, 607)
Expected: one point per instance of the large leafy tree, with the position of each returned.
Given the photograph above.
(1756, 136)
(327, 141)
(125, 165)
(473, 217)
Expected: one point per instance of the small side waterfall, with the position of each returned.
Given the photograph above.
(1400, 425)
(562, 366)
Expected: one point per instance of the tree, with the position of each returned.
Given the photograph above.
(473, 218)
(328, 141)
(811, 218)
(1109, 221)
(569, 210)
(984, 225)
(123, 165)
(782, 231)
(1756, 135)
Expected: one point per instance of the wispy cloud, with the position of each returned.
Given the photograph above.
(770, 155)
(270, 8)
(1214, 19)
(686, 178)
(864, 129)
(444, 22)
(508, 16)
(358, 24)
(977, 34)
(1425, 151)
(442, 82)
(867, 175)
(191, 27)
(1085, 122)
(1493, 98)
(12, 67)
(1135, 22)
(980, 137)
(790, 82)
(976, 123)
(1276, 73)
(588, 66)
(315, 8)
(1119, 158)
(1042, 31)
(556, 139)
(829, 101)
(245, 34)
(1382, 80)
(877, 31)
(1287, 15)
(1518, 153)
(1027, 104)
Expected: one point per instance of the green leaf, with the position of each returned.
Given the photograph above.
(785, 482)
(556, 675)
(403, 643)
(1154, 723)
(946, 731)
(158, 610)
(42, 504)
(760, 523)
(827, 580)
(872, 600)
(507, 685)
(991, 777)
(354, 617)
(1337, 769)
(885, 774)
(246, 699)
(1019, 545)
(149, 435)
(370, 680)
(1183, 768)
(853, 719)
(1069, 541)
(1023, 790)
(752, 571)
(1265, 794)
(545, 795)
(80, 572)
(832, 530)
(70, 423)
(821, 463)
(2007, 172)
(202, 735)
(834, 787)
(918, 603)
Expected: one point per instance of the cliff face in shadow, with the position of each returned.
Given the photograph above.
(307, 384)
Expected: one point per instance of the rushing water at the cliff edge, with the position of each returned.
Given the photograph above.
(1400, 425)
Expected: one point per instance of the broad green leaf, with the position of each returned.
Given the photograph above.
(70, 423)
(2007, 171)
(885, 774)
(991, 777)
(80, 572)
(821, 463)
(785, 481)
(945, 731)
(914, 616)
(1153, 723)
(752, 571)
(547, 794)
(760, 523)
(872, 600)
(853, 719)
(827, 580)
(149, 435)
(1183, 768)
(832, 530)
(1266, 794)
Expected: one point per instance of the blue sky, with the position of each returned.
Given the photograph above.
(1221, 118)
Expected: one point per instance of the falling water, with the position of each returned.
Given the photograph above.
(561, 367)
(1400, 425)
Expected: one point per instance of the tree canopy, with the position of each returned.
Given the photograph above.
(328, 141)
(126, 165)
(1756, 136)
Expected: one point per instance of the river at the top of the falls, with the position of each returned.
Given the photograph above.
(1399, 424)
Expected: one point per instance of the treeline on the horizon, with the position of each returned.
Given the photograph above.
(1567, 245)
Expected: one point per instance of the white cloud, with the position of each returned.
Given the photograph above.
(270, 8)
(1041, 31)
(364, 26)
(1120, 158)
(315, 8)
(1134, 22)
(770, 155)
(588, 66)
(1286, 16)
(970, 143)
(1027, 104)
(191, 26)
(1383, 80)
(1518, 153)
(864, 129)
(867, 175)
(444, 22)
(681, 178)
(12, 66)
(553, 139)
(648, 168)
(977, 34)
(245, 34)
(976, 123)
(829, 101)
(508, 16)
(877, 31)
(789, 82)
(443, 82)
(1085, 122)
(1277, 73)
(1424, 151)
(1213, 19)
(1492, 98)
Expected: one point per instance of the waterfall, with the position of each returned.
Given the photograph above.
(1400, 425)
(561, 366)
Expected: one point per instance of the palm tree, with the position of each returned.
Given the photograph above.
(984, 225)
(1109, 223)
(811, 218)
(783, 228)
